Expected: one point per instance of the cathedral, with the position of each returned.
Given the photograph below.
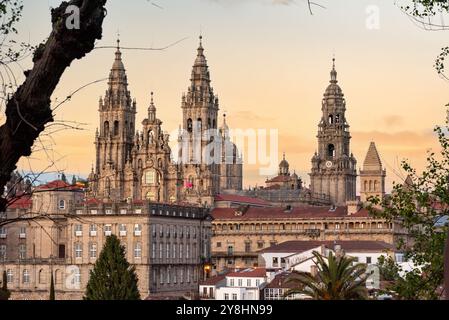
(140, 165)
(334, 167)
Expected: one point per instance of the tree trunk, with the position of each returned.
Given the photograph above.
(28, 110)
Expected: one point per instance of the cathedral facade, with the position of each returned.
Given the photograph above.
(334, 167)
(140, 165)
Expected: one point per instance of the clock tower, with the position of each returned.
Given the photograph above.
(334, 172)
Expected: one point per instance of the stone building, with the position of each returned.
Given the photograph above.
(239, 233)
(284, 180)
(139, 165)
(372, 176)
(168, 244)
(334, 170)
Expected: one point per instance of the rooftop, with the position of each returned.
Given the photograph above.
(254, 213)
(241, 199)
(249, 273)
(348, 246)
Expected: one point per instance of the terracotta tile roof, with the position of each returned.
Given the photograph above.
(23, 202)
(213, 280)
(241, 199)
(279, 282)
(279, 179)
(249, 273)
(254, 213)
(348, 246)
(58, 185)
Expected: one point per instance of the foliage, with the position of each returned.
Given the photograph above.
(337, 279)
(419, 205)
(112, 277)
(5, 294)
(426, 8)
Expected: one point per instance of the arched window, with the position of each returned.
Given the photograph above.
(214, 124)
(331, 119)
(139, 164)
(116, 128)
(365, 187)
(209, 123)
(337, 118)
(61, 204)
(150, 137)
(42, 277)
(200, 124)
(375, 185)
(106, 128)
(331, 150)
(58, 277)
(189, 125)
(370, 186)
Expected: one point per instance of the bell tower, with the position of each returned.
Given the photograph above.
(334, 172)
(114, 138)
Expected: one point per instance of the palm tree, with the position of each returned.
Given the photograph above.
(336, 279)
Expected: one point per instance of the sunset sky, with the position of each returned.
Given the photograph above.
(270, 63)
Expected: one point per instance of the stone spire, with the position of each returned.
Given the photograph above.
(118, 93)
(200, 73)
(372, 159)
(152, 109)
(333, 72)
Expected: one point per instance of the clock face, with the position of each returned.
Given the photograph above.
(329, 164)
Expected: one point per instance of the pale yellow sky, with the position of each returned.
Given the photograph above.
(270, 65)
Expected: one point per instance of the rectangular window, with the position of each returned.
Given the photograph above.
(93, 230)
(226, 296)
(231, 282)
(188, 275)
(168, 251)
(153, 230)
(180, 251)
(162, 276)
(138, 250)
(257, 283)
(368, 260)
(138, 230)
(3, 252)
(22, 234)
(26, 276)
(380, 226)
(337, 226)
(22, 252)
(260, 245)
(108, 230)
(247, 247)
(275, 262)
(78, 250)
(174, 251)
(161, 250)
(93, 250)
(230, 250)
(153, 250)
(9, 276)
(240, 282)
(234, 296)
(122, 230)
(3, 233)
(188, 251)
(78, 230)
(181, 275)
(168, 276)
(218, 244)
(248, 283)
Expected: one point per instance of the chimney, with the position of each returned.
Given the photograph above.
(353, 207)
